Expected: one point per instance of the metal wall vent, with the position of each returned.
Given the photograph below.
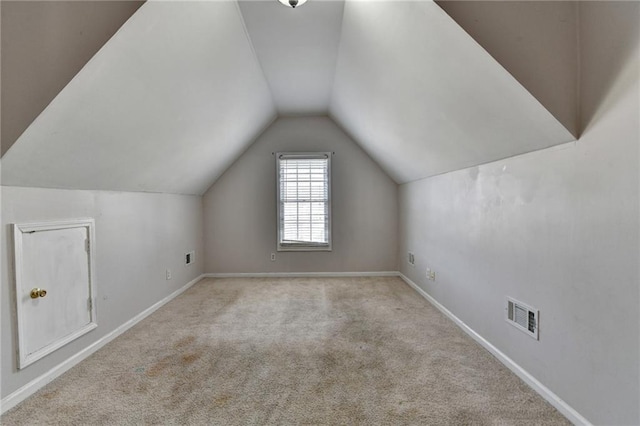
(523, 317)
(411, 259)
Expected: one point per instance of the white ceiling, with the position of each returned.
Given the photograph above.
(423, 98)
(165, 106)
(297, 49)
(185, 87)
(535, 41)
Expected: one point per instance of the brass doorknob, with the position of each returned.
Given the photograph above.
(38, 292)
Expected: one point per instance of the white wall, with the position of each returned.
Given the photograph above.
(557, 229)
(240, 208)
(138, 236)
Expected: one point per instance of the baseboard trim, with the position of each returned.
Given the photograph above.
(36, 384)
(564, 408)
(301, 274)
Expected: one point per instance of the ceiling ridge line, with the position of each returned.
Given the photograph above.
(255, 55)
(335, 67)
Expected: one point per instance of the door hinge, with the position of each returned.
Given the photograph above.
(90, 304)
(87, 245)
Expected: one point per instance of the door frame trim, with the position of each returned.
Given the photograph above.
(19, 229)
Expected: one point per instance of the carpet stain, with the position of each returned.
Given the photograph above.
(190, 358)
(221, 400)
(50, 395)
(185, 341)
(159, 367)
(142, 388)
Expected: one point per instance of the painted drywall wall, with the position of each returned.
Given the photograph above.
(557, 229)
(44, 44)
(138, 236)
(423, 98)
(536, 41)
(165, 106)
(240, 208)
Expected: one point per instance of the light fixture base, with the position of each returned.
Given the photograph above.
(293, 3)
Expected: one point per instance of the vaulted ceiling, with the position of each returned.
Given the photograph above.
(183, 88)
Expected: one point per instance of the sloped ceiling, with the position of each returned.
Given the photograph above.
(423, 98)
(165, 106)
(45, 44)
(536, 41)
(185, 87)
(297, 49)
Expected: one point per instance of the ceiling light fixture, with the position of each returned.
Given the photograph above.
(293, 3)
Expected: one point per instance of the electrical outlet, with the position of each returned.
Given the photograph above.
(431, 275)
(273, 257)
(168, 274)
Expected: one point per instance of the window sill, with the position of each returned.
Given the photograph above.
(304, 248)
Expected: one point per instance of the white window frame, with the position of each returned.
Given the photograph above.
(303, 246)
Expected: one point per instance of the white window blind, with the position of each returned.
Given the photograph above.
(304, 201)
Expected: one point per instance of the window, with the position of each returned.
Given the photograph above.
(304, 201)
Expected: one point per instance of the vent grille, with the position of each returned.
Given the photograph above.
(523, 317)
(188, 258)
(411, 259)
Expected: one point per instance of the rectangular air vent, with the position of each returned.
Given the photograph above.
(411, 259)
(188, 258)
(523, 317)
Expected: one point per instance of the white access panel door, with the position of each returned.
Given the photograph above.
(54, 285)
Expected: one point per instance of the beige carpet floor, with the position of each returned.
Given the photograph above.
(343, 351)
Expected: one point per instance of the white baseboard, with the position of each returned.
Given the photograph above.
(36, 384)
(301, 274)
(542, 390)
